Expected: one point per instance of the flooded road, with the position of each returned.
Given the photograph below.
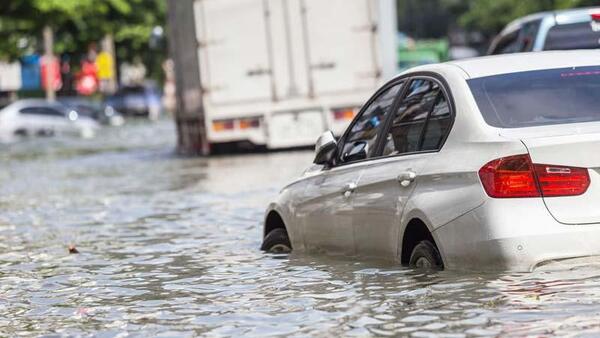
(169, 247)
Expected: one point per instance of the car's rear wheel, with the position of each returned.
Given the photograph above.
(277, 241)
(425, 255)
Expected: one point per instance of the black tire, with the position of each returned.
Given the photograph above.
(277, 241)
(425, 255)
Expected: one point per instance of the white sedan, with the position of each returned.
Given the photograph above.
(35, 117)
(487, 163)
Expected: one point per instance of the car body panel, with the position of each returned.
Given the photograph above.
(521, 62)
(490, 238)
(13, 122)
(559, 150)
(379, 200)
(325, 211)
(471, 229)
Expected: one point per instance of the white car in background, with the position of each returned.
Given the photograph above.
(36, 117)
(558, 30)
(488, 163)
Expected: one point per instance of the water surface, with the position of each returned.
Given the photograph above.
(168, 247)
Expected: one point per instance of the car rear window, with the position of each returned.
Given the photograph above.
(537, 98)
(573, 36)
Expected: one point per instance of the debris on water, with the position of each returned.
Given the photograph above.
(73, 249)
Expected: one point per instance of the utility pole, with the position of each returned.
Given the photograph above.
(388, 33)
(183, 49)
(49, 56)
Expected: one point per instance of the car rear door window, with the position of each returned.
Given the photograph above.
(508, 43)
(420, 122)
(438, 125)
(360, 141)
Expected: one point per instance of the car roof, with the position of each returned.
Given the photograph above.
(562, 17)
(24, 103)
(522, 62)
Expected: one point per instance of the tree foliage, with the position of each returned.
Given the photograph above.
(77, 23)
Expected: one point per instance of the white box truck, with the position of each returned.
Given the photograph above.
(277, 73)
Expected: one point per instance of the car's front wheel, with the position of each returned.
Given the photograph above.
(277, 241)
(425, 255)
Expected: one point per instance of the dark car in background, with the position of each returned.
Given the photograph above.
(102, 113)
(137, 100)
(558, 30)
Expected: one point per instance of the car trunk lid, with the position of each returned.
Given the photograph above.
(575, 150)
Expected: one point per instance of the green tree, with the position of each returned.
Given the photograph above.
(77, 23)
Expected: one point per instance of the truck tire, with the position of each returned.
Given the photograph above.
(277, 241)
(425, 255)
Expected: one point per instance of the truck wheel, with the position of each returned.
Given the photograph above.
(277, 241)
(426, 256)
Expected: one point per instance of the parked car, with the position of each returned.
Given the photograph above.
(137, 100)
(36, 117)
(487, 163)
(102, 113)
(559, 30)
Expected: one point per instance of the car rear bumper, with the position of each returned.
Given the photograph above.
(513, 234)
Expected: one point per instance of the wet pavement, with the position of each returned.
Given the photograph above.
(168, 246)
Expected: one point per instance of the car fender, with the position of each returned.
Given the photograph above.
(284, 206)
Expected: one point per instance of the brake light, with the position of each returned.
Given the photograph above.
(232, 124)
(595, 16)
(344, 113)
(517, 177)
(223, 125)
(249, 123)
(561, 181)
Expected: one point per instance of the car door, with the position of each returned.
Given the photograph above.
(413, 134)
(29, 122)
(326, 210)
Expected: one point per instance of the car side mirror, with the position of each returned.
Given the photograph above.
(325, 148)
(358, 152)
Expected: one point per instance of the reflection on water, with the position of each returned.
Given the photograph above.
(168, 246)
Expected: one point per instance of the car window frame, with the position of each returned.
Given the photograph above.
(505, 39)
(405, 79)
(443, 85)
(381, 91)
(59, 114)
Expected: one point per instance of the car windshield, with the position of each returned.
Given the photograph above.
(582, 35)
(537, 98)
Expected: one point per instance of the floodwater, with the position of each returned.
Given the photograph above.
(168, 246)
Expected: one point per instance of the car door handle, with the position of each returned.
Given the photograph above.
(406, 178)
(349, 189)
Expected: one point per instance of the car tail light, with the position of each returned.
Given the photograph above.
(561, 181)
(344, 113)
(223, 125)
(516, 176)
(595, 16)
(249, 123)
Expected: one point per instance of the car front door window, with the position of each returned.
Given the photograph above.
(361, 139)
(410, 119)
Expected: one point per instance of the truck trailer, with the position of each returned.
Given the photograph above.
(277, 73)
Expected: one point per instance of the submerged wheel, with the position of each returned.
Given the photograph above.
(426, 256)
(277, 241)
